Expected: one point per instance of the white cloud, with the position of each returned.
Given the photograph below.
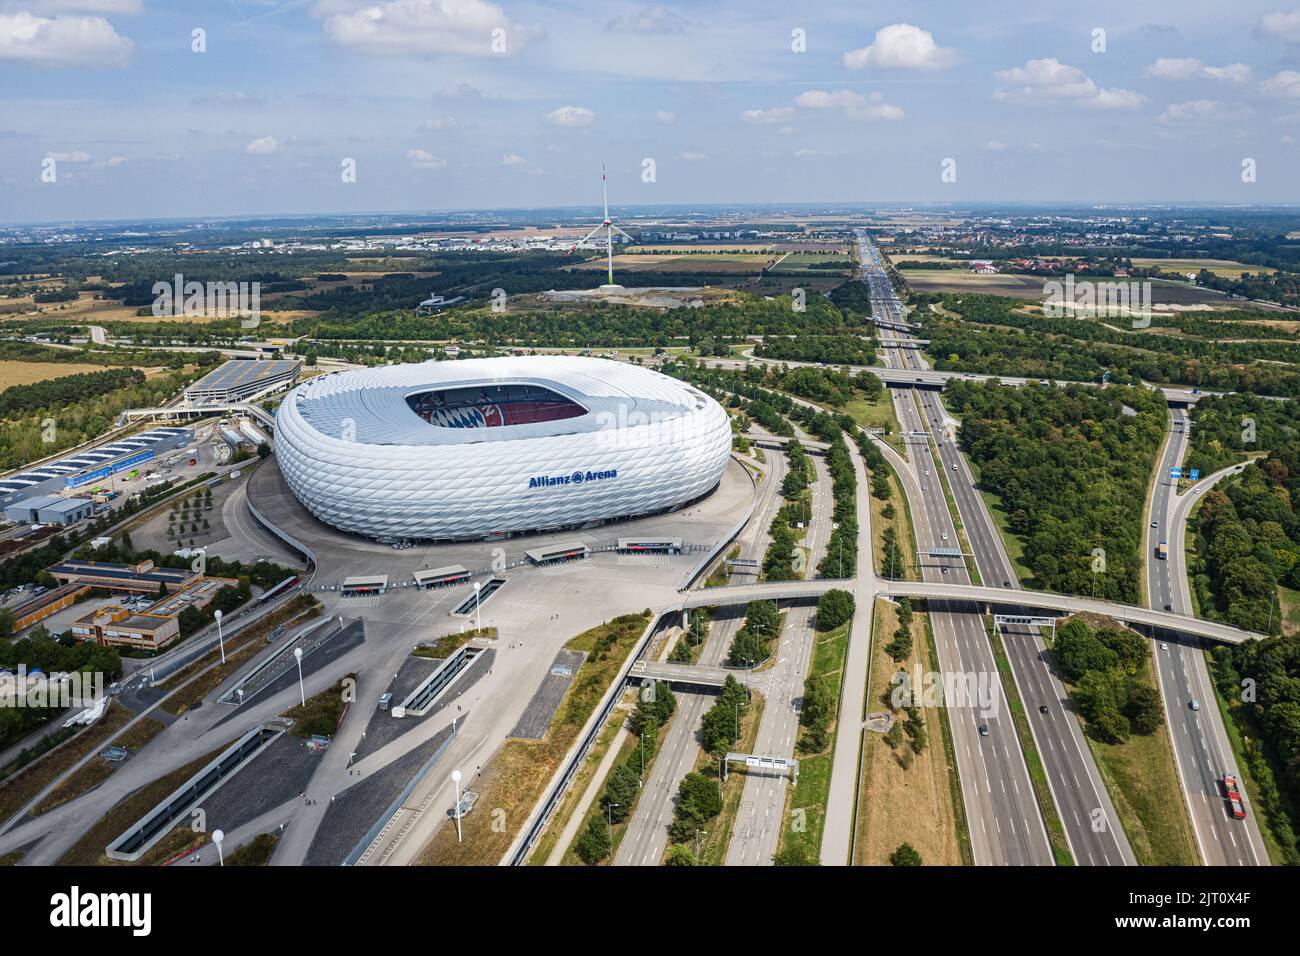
(440, 123)
(1191, 110)
(572, 116)
(805, 153)
(665, 118)
(1190, 68)
(1049, 81)
(876, 109)
(513, 159)
(693, 157)
(423, 27)
(1284, 83)
(995, 146)
(901, 47)
(75, 156)
(651, 20)
(777, 114)
(422, 159)
(262, 147)
(62, 41)
(1284, 25)
(824, 99)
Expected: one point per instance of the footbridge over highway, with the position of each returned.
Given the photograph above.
(694, 675)
(256, 412)
(1063, 604)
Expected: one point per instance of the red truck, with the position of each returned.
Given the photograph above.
(1233, 793)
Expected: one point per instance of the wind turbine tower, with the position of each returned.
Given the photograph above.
(608, 225)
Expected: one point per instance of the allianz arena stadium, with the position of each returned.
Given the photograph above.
(480, 448)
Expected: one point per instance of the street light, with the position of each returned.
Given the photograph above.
(478, 621)
(217, 837)
(297, 655)
(609, 820)
(455, 779)
(220, 643)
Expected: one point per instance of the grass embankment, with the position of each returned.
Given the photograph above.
(443, 647)
(918, 804)
(720, 575)
(89, 850)
(874, 413)
(629, 750)
(903, 529)
(256, 852)
(323, 711)
(582, 781)
(517, 775)
(1142, 780)
(810, 795)
(1037, 774)
(21, 788)
(97, 771)
(1239, 725)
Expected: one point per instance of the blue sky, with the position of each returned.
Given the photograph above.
(1023, 97)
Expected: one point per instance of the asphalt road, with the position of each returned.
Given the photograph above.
(761, 816)
(646, 838)
(1002, 813)
(1201, 748)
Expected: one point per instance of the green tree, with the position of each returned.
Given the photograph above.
(834, 608)
(593, 845)
(905, 855)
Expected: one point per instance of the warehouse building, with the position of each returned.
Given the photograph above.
(50, 509)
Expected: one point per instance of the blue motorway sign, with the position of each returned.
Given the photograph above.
(1194, 474)
(1175, 474)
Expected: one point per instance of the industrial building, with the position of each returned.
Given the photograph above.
(82, 468)
(143, 577)
(240, 380)
(491, 447)
(50, 509)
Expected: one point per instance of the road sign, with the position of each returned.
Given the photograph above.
(1194, 474)
(1175, 474)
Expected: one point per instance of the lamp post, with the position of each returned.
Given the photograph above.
(478, 620)
(302, 694)
(217, 837)
(455, 779)
(220, 642)
(609, 820)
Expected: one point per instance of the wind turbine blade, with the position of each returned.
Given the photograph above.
(604, 189)
(587, 237)
(622, 233)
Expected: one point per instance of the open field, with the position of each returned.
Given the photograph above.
(1290, 606)
(1220, 267)
(1030, 288)
(27, 373)
(738, 262)
(903, 804)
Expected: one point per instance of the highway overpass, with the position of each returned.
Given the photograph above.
(938, 591)
(260, 414)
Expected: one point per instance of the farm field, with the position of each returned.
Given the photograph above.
(28, 373)
(1030, 288)
(1220, 267)
(739, 263)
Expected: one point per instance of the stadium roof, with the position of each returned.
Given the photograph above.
(369, 405)
(241, 373)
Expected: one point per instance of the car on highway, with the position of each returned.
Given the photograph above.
(954, 467)
(1164, 646)
(944, 569)
(1169, 607)
(1155, 524)
(1006, 584)
(1042, 708)
(984, 730)
(1194, 704)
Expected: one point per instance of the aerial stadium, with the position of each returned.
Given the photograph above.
(485, 448)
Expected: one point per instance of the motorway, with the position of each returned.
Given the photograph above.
(759, 821)
(1201, 748)
(1003, 819)
(1092, 827)
(646, 838)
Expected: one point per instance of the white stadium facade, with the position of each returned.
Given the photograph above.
(480, 448)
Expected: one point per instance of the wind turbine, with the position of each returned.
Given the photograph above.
(608, 225)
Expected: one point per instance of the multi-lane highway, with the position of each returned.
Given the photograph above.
(1002, 812)
(762, 803)
(1201, 747)
(647, 832)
